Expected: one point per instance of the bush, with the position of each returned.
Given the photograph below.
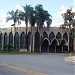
(9, 46)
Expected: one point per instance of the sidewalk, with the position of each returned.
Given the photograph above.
(70, 59)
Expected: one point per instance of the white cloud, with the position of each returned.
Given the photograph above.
(19, 7)
(57, 19)
(62, 10)
(56, 23)
(3, 23)
(74, 7)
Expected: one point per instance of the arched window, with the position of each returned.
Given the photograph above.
(22, 41)
(58, 36)
(53, 45)
(16, 41)
(51, 36)
(45, 45)
(64, 45)
(1, 41)
(45, 35)
(10, 38)
(29, 38)
(37, 41)
(5, 40)
(65, 36)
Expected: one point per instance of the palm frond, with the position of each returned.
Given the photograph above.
(8, 18)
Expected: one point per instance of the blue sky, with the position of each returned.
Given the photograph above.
(50, 5)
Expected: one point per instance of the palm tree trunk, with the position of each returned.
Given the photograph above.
(26, 27)
(26, 32)
(31, 39)
(37, 28)
(14, 27)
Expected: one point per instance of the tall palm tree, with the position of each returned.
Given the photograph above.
(32, 23)
(27, 16)
(13, 15)
(48, 18)
(38, 16)
(42, 16)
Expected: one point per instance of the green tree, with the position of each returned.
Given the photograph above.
(42, 16)
(28, 17)
(70, 22)
(25, 16)
(32, 23)
(38, 16)
(13, 15)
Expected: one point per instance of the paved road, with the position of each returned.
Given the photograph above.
(8, 71)
(51, 64)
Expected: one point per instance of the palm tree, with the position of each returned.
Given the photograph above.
(48, 19)
(27, 16)
(32, 23)
(13, 15)
(42, 16)
(38, 16)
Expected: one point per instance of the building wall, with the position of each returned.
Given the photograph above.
(43, 36)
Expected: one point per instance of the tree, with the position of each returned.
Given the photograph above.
(42, 16)
(38, 16)
(48, 19)
(28, 17)
(69, 22)
(13, 15)
(25, 16)
(69, 17)
(32, 23)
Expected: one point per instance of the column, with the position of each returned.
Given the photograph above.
(2, 41)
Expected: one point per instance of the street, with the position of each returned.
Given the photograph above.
(43, 64)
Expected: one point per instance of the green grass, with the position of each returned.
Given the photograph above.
(15, 52)
(5, 51)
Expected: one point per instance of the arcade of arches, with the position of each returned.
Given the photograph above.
(44, 43)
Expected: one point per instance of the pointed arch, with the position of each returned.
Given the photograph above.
(64, 45)
(10, 38)
(47, 40)
(58, 35)
(1, 36)
(22, 41)
(51, 36)
(5, 40)
(37, 42)
(53, 45)
(28, 40)
(64, 42)
(65, 35)
(56, 41)
(16, 41)
(45, 45)
(45, 35)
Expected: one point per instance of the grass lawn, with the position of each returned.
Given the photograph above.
(15, 52)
